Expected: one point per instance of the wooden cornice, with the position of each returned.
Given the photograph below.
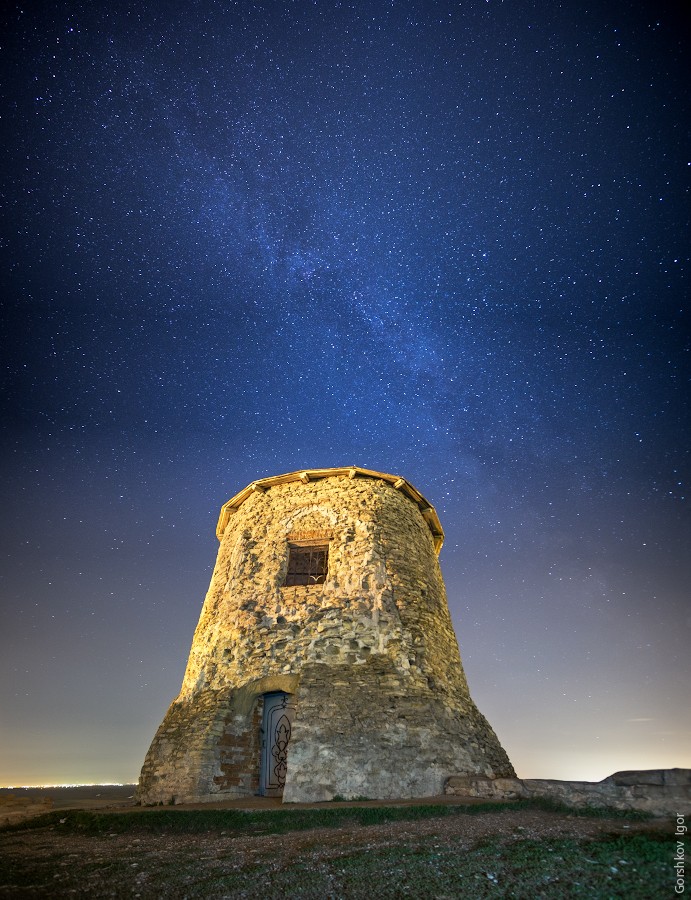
(306, 475)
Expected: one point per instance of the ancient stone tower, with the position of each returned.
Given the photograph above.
(324, 662)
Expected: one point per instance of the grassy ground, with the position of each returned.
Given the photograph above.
(279, 821)
(375, 852)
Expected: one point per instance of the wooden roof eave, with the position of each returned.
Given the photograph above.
(305, 475)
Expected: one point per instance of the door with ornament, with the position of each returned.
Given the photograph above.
(277, 723)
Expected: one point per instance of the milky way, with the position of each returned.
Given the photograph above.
(447, 241)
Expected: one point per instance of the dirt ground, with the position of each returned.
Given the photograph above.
(140, 864)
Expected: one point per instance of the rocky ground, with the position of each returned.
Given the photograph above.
(518, 853)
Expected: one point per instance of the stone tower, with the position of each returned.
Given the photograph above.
(324, 662)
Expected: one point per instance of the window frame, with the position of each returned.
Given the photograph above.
(304, 567)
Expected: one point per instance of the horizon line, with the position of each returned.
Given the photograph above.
(14, 787)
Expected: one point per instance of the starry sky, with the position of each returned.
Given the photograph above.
(446, 240)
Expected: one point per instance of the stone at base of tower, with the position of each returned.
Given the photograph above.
(327, 608)
(370, 733)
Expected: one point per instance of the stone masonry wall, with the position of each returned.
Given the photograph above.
(383, 707)
(369, 733)
(659, 792)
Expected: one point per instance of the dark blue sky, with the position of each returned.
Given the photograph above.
(444, 240)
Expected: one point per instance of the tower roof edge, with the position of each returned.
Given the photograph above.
(306, 475)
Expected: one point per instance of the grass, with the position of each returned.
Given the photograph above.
(166, 820)
(635, 866)
(145, 854)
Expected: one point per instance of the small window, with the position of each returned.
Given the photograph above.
(307, 563)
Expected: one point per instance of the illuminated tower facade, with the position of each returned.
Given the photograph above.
(325, 662)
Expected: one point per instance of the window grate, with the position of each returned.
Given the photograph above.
(307, 564)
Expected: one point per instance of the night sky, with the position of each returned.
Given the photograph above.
(448, 241)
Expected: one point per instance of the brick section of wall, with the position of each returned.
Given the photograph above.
(383, 708)
(240, 746)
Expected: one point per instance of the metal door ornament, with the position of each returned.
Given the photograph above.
(279, 710)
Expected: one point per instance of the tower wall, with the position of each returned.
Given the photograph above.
(370, 655)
